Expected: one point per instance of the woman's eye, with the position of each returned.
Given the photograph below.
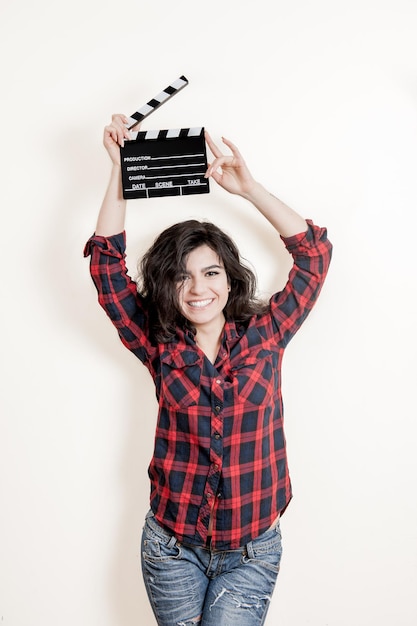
(212, 273)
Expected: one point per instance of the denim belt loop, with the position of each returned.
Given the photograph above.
(171, 543)
(249, 550)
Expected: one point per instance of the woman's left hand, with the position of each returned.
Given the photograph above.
(234, 176)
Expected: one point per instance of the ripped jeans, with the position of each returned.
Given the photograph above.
(190, 585)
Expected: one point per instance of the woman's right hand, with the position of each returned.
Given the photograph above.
(115, 135)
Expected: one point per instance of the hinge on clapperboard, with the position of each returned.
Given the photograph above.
(163, 162)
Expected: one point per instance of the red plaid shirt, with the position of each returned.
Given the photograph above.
(220, 443)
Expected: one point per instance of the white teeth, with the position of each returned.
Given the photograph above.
(200, 303)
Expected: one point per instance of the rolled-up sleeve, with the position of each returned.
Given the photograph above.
(117, 292)
(311, 252)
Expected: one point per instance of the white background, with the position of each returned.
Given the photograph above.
(321, 98)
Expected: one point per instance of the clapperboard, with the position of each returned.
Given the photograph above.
(163, 162)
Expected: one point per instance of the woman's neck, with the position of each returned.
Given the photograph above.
(208, 340)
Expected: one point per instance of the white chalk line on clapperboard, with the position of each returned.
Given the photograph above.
(138, 117)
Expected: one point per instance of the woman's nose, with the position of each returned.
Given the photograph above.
(196, 285)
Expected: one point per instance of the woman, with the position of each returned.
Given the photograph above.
(211, 544)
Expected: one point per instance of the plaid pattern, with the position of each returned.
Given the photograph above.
(219, 442)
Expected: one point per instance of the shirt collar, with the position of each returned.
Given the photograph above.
(230, 333)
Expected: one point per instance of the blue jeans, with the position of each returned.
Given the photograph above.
(190, 585)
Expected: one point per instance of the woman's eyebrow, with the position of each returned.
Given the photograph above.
(205, 269)
(212, 267)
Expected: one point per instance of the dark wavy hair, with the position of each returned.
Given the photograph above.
(163, 265)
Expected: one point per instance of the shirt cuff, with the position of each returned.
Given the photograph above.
(303, 238)
(114, 245)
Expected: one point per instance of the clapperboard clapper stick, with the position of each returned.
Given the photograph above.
(159, 163)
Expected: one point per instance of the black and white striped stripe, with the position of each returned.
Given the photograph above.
(156, 102)
(172, 133)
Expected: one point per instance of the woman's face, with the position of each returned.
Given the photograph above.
(204, 289)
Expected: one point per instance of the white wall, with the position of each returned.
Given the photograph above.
(321, 98)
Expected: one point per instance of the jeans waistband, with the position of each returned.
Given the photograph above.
(170, 540)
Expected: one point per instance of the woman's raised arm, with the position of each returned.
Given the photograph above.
(111, 218)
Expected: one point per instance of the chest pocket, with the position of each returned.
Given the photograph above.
(254, 378)
(180, 379)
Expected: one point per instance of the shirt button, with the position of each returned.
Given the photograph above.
(215, 467)
(217, 408)
(217, 436)
(209, 495)
(218, 381)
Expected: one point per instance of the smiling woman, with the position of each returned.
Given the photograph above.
(219, 474)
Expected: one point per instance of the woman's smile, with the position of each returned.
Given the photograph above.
(200, 303)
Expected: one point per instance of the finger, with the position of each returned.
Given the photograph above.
(232, 147)
(214, 149)
(119, 118)
(110, 132)
(221, 161)
(218, 177)
(120, 121)
(211, 172)
(212, 169)
(114, 133)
